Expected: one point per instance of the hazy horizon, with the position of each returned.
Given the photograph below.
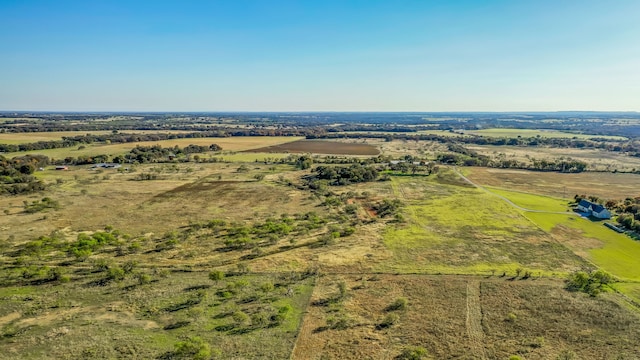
(333, 56)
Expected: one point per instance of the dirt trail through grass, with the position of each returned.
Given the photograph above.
(474, 319)
(509, 201)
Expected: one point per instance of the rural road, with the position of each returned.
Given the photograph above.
(509, 201)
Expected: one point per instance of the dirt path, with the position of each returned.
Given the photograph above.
(509, 201)
(474, 319)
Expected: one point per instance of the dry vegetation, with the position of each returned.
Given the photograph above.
(321, 147)
(460, 274)
(604, 185)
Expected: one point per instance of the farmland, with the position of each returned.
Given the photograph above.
(244, 257)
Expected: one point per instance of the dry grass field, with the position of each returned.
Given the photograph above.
(321, 147)
(462, 318)
(605, 185)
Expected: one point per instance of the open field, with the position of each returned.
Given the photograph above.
(512, 133)
(445, 234)
(614, 252)
(240, 143)
(596, 159)
(92, 199)
(321, 147)
(462, 318)
(531, 201)
(604, 185)
(481, 278)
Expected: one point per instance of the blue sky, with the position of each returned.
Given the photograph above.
(332, 55)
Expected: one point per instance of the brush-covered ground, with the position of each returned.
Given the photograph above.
(239, 260)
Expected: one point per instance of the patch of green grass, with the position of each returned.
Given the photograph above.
(464, 231)
(532, 201)
(632, 290)
(618, 253)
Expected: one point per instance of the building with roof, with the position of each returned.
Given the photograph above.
(593, 209)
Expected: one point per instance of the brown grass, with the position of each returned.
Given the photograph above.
(548, 320)
(606, 185)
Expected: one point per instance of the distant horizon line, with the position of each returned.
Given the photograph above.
(314, 111)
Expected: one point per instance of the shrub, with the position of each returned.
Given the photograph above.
(240, 318)
(115, 273)
(216, 275)
(593, 284)
(398, 304)
(192, 348)
(388, 321)
(412, 353)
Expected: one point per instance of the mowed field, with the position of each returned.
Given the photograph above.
(321, 147)
(227, 143)
(604, 185)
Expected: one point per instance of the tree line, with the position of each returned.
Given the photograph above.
(16, 174)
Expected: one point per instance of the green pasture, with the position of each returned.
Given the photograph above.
(512, 133)
(532, 201)
(618, 254)
(461, 230)
(631, 289)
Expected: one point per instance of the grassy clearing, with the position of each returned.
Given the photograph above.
(461, 230)
(615, 253)
(531, 201)
(512, 133)
(557, 185)
(228, 143)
